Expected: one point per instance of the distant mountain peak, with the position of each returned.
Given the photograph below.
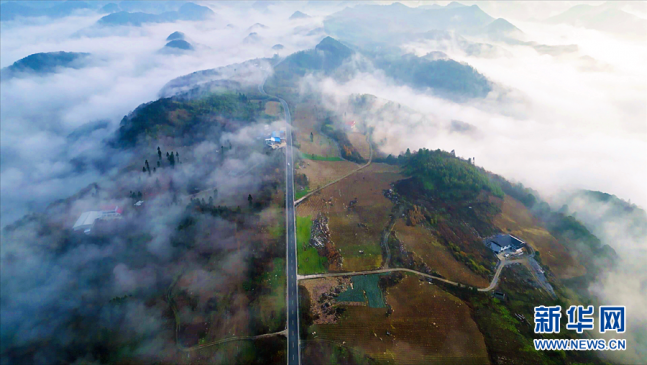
(299, 15)
(455, 4)
(502, 25)
(180, 44)
(175, 36)
(330, 44)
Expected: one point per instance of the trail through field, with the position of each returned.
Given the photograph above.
(490, 287)
(370, 159)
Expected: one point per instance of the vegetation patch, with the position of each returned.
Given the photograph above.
(448, 177)
(365, 289)
(309, 260)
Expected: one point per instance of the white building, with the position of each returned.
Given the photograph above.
(87, 220)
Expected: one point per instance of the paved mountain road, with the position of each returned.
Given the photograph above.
(292, 298)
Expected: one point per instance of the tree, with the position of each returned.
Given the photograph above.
(249, 199)
(177, 155)
(139, 195)
(147, 165)
(154, 169)
(408, 153)
(312, 137)
(144, 169)
(159, 153)
(210, 200)
(229, 145)
(158, 163)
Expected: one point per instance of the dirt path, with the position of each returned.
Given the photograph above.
(490, 287)
(229, 339)
(370, 159)
(384, 242)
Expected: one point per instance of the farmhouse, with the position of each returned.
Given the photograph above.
(275, 139)
(87, 220)
(502, 242)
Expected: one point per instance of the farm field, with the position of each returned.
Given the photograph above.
(437, 256)
(273, 108)
(358, 212)
(322, 172)
(305, 122)
(517, 220)
(308, 259)
(427, 326)
(358, 140)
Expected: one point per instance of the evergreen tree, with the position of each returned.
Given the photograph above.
(408, 153)
(312, 137)
(158, 163)
(249, 199)
(159, 153)
(144, 169)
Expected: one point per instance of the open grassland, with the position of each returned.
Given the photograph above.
(308, 259)
(273, 108)
(517, 220)
(304, 119)
(358, 140)
(427, 326)
(437, 256)
(320, 173)
(358, 212)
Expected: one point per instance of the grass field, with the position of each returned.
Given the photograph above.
(314, 157)
(437, 256)
(301, 193)
(357, 228)
(322, 172)
(273, 108)
(308, 259)
(427, 326)
(305, 120)
(365, 289)
(517, 220)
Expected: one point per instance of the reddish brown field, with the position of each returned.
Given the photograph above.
(436, 255)
(360, 226)
(427, 326)
(517, 220)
